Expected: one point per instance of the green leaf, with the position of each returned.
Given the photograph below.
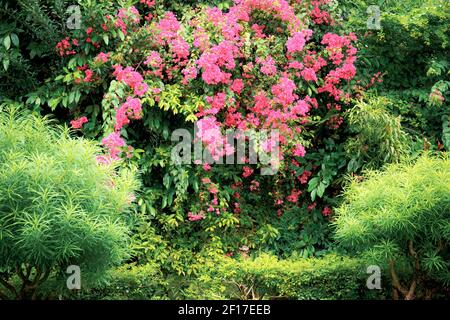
(106, 39)
(15, 39)
(321, 189)
(6, 64)
(7, 42)
(54, 102)
(121, 35)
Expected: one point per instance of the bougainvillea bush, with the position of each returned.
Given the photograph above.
(139, 74)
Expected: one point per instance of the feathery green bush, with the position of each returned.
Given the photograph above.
(58, 207)
(400, 218)
(378, 135)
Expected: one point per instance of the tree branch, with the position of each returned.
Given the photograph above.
(8, 286)
(395, 281)
(412, 288)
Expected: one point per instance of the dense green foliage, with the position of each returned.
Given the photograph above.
(411, 51)
(58, 207)
(402, 216)
(330, 278)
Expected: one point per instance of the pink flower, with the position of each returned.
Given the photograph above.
(269, 145)
(88, 76)
(217, 103)
(148, 3)
(206, 167)
(131, 109)
(297, 42)
(237, 86)
(114, 143)
(299, 151)
(293, 197)
(247, 172)
(312, 206)
(213, 189)
(301, 108)
(268, 66)
(168, 26)
(180, 48)
(209, 132)
(102, 57)
(309, 74)
(221, 55)
(326, 211)
(195, 217)
(103, 159)
(131, 78)
(153, 59)
(140, 89)
(78, 123)
(189, 74)
(258, 31)
(206, 180)
(284, 91)
(304, 177)
(254, 185)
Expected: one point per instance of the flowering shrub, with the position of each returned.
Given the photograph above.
(150, 73)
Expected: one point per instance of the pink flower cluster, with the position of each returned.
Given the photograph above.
(240, 90)
(299, 151)
(320, 16)
(102, 57)
(211, 61)
(209, 132)
(131, 109)
(130, 15)
(64, 47)
(115, 144)
(284, 92)
(268, 66)
(168, 35)
(297, 42)
(132, 79)
(78, 123)
(341, 52)
(195, 217)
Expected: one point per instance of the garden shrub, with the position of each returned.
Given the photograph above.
(138, 74)
(331, 277)
(399, 218)
(377, 136)
(129, 282)
(409, 56)
(58, 207)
